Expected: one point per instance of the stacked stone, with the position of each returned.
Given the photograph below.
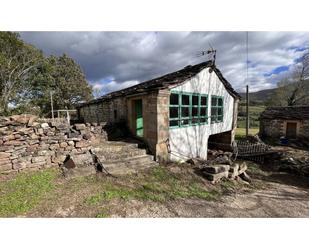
(26, 144)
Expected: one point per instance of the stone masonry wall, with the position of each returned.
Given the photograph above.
(28, 144)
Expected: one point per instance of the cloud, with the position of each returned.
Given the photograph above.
(126, 58)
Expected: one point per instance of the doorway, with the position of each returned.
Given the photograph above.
(291, 130)
(139, 122)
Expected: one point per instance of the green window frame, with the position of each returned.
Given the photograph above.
(188, 109)
(216, 111)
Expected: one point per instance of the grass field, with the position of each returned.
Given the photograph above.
(241, 132)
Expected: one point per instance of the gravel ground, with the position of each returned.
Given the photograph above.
(277, 200)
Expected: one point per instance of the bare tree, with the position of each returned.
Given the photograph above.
(294, 89)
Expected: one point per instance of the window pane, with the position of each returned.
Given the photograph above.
(214, 111)
(194, 111)
(185, 111)
(213, 101)
(174, 99)
(185, 122)
(203, 100)
(203, 111)
(203, 120)
(220, 102)
(220, 111)
(194, 121)
(185, 99)
(194, 100)
(220, 118)
(174, 112)
(213, 119)
(174, 123)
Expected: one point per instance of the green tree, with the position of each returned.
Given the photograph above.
(18, 62)
(64, 78)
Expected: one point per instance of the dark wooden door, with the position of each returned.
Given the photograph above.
(291, 130)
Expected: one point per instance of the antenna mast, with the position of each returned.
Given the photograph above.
(211, 53)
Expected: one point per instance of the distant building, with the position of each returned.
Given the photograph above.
(291, 122)
(177, 114)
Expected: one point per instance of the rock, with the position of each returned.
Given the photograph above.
(244, 176)
(242, 168)
(71, 143)
(31, 120)
(233, 172)
(82, 160)
(38, 159)
(215, 169)
(80, 127)
(14, 142)
(45, 125)
(5, 165)
(216, 177)
(63, 145)
(40, 131)
(87, 136)
(5, 155)
(81, 144)
(23, 118)
(54, 146)
(8, 137)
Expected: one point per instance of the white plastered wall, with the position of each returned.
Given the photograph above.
(192, 141)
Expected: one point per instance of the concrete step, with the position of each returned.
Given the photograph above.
(115, 147)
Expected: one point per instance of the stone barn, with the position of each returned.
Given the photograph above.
(176, 115)
(291, 122)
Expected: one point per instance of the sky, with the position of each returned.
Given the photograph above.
(115, 60)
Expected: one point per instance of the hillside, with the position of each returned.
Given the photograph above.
(258, 97)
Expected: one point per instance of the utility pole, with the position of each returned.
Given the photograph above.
(247, 86)
(247, 110)
(51, 104)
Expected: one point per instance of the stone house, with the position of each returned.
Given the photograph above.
(291, 122)
(177, 114)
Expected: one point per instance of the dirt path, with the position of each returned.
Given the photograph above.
(278, 200)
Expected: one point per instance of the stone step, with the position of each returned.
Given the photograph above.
(115, 147)
(128, 165)
(121, 155)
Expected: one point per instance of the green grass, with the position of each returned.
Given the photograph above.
(241, 132)
(159, 186)
(21, 194)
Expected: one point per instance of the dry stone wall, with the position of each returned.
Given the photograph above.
(28, 144)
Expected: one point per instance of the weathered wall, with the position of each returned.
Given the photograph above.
(29, 145)
(192, 141)
(108, 111)
(277, 128)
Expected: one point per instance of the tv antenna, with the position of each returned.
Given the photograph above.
(211, 53)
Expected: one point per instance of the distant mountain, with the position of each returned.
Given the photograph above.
(258, 97)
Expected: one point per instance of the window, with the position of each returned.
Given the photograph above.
(216, 109)
(188, 109)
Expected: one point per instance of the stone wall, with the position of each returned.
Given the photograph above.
(110, 111)
(28, 144)
(277, 128)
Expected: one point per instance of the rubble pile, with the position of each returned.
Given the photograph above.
(220, 165)
(26, 143)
